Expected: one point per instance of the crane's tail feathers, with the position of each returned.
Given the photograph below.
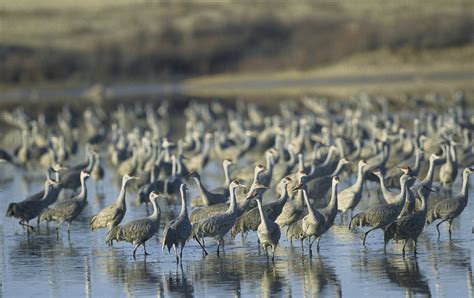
(390, 232)
(356, 221)
(12, 210)
(431, 216)
(113, 234)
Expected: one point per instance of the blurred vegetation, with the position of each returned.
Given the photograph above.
(53, 40)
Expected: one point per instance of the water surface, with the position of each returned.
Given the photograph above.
(82, 265)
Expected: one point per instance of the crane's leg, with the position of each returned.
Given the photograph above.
(176, 253)
(135, 250)
(273, 253)
(144, 248)
(301, 242)
(58, 226)
(28, 227)
(437, 227)
(317, 247)
(38, 222)
(265, 248)
(202, 246)
(404, 245)
(69, 227)
(311, 245)
(414, 249)
(367, 233)
(218, 246)
(450, 226)
(181, 252)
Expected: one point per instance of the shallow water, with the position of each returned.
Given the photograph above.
(82, 265)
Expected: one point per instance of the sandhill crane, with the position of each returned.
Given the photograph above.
(138, 231)
(97, 172)
(218, 225)
(427, 183)
(178, 230)
(319, 187)
(312, 224)
(449, 170)
(201, 213)
(207, 197)
(268, 231)
(293, 209)
(112, 215)
(250, 220)
(31, 207)
(71, 179)
(68, 209)
(378, 217)
(226, 165)
(350, 197)
(329, 214)
(408, 227)
(449, 209)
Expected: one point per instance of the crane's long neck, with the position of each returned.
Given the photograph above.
(46, 193)
(403, 190)
(329, 156)
(123, 192)
(226, 175)
(465, 186)
(263, 218)
(429, 176)
(382, 183)
(424, 206)
(360, 179)
(184, 210)
(284, 194)
(90, 165)
(256, 176)
(416, 168)
(269, 158)
(152, 174)
(338, 168)
(233, 204)
(300, 162)
(156, 211)
(292, 159)
(204, 192)
(83, 193)
(308, 204)
(333, 202)
(454, 157)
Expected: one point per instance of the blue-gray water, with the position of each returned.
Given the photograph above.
(42, 265)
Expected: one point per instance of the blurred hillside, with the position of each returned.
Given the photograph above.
(53, 40)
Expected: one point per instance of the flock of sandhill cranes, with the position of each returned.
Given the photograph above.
(309, 150)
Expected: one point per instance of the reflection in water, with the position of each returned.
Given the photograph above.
(271, 283)
(452, 258)
(318, 276)
(406, 273)
(178, 283)
(134, 276)
(85, 266)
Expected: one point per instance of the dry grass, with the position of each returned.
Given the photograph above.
(404, 61)
(102, 40)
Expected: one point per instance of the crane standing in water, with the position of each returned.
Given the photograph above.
(219, 224)
(113, 215)
(68, 210)
(178, 231)
(138, 231)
